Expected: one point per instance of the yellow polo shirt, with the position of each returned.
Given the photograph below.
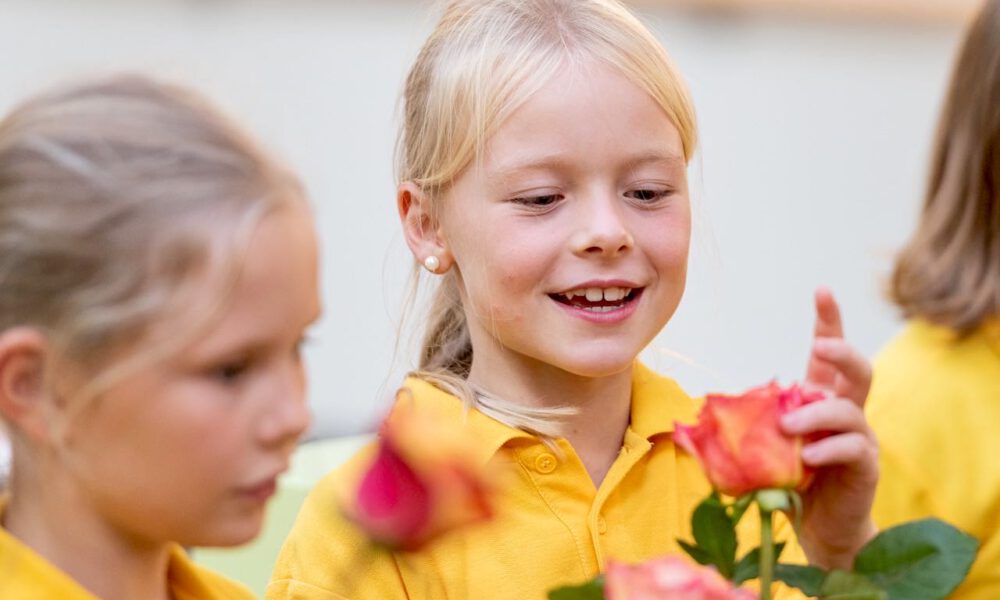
(935, 406)
(552, 526)
(24, 575)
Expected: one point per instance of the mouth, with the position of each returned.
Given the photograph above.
(260, 492)
(598, 300)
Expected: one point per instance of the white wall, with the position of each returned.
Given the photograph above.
(815, 137)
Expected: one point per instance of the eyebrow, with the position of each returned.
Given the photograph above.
(556, 162)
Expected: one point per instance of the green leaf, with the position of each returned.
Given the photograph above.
(740, 506)
(808, 579)
(841, 585)
(920, 560)
(592, 590)
(700, 556)
(714, 533)
(749, 566)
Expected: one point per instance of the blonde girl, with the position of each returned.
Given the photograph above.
(935, 403)
(543, 181)
(157, 271)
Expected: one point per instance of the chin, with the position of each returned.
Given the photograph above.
(232, 532)
(598, 366)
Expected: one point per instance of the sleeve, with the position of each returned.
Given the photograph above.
(326, 557)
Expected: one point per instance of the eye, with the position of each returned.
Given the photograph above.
(231, 371)
(648, 196)
(542, 201)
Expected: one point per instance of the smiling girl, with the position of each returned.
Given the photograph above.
(543, 179)
(156, 274)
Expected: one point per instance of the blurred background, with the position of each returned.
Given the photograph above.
(816, 120)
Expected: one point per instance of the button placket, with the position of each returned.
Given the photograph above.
(545, 463)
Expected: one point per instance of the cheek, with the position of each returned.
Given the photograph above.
(501, 271)
(669, 242)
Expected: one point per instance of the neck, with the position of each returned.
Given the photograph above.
(601, 405)
(58, 526)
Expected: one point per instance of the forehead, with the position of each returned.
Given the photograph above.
(274, 294)
(586, 108)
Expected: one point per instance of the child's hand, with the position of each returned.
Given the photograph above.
(836, 519)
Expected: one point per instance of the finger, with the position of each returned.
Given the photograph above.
(847, 449)
(828, 321)
(836, 415)
(854, 369)
(828, 324)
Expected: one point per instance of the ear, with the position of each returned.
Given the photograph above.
(23, 352)
(423, 234)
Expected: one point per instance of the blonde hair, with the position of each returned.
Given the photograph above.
(949, 271)
(484, 59)
(113, 194)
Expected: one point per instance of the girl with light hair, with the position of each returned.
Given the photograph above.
(542, 181)
(157, 271)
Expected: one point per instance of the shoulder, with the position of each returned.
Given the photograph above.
(190, 581)
(27, 576)
(926, 369)
(323, 555)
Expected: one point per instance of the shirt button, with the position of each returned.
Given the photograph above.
(545, 463)
(602, 525)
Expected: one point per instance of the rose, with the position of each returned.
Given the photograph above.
(669, 577)
(740, 444)
(424, 482)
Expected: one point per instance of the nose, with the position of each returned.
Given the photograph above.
(287, 416)
(603, 230)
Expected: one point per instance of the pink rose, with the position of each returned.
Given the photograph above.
(669, 578)
(424, 482)
(740, 444)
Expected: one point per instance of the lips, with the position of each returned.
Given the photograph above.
(261, 492)
(598, 299)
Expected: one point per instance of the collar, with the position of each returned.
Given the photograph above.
(491, 434)
(657, 402)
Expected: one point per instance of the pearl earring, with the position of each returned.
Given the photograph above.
(432, 263)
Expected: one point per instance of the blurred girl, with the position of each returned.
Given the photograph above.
(157, 272)
(543, 179)
(935, 402)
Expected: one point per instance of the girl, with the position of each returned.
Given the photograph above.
(156, 274)
(543, 180)
(947, 283)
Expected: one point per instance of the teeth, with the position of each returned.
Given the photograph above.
(597, 294)
(602, 309)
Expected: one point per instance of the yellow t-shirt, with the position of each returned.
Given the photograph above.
(552, 527)
(935, 406)
(24, 575)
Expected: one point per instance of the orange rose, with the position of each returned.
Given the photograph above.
(740, 444)
(669, 577)
(423, 482)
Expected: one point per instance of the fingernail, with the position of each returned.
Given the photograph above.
(808, 454)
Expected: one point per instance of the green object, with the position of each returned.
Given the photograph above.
(920, 560)
(806, 578)
(841, 585)
(714, 534)
(592, 590)
(749, 566)
(252, 563)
